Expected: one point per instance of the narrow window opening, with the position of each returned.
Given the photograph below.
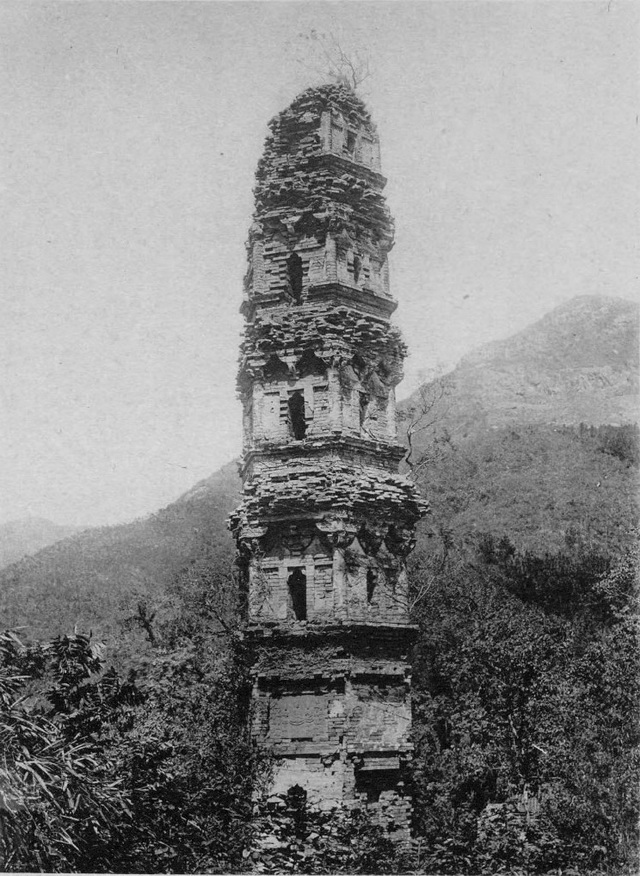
(297, 584)
(372, 582)
(364, 403)
(350, 144)
(297, 422)
(295, 274)
(357, 268)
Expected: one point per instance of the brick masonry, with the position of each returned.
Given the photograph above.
(326, 520)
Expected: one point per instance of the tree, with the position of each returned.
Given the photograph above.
(61, 801)
(520, 695)
(323, 55)
(188, 762)
(420, 422)
(149, 774)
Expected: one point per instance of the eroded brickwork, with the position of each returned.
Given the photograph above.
(326, 520)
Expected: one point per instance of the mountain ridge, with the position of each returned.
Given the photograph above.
(578, 364)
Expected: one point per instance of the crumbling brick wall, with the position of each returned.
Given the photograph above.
(326, 520)
(335, 710)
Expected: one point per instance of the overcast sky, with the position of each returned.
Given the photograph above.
(129, 135)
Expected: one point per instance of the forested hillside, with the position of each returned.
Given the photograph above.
(94, 580)
(546, 488)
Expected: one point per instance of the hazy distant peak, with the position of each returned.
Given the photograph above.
(20, 538)
(587, 330)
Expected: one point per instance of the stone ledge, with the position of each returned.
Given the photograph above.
(316, 445)
(348, 165)
(338, 293)
(297, 629)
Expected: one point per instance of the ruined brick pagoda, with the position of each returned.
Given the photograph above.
(326, 520)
